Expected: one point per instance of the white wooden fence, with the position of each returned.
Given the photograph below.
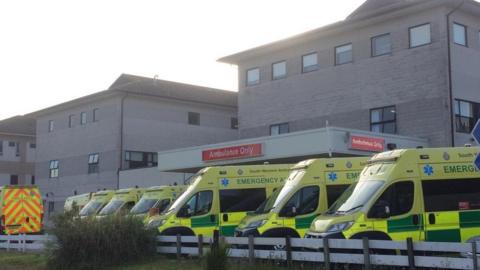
(326, 251)
(24, 242)
(366, 252)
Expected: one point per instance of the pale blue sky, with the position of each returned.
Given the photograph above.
(52, 51)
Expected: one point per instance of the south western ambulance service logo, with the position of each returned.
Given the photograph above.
(428, 170)
(332, 176)
(224, 182)
(240, 171)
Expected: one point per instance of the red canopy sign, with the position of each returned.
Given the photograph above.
(234, 152)
(367, 143)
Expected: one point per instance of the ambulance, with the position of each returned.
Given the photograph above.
(21, 210)
(218, 199)
(313, 185)
(122, 202)
(79, 201)
(97, 202)
(157, 199)
(425, 194)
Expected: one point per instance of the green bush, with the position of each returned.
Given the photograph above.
(217, 258)
(99, 243)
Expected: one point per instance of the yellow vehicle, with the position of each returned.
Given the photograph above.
(218, 198)
(426, 194)
(97, 202)
(122, 202)
(157, 198)
(78, 200)
(313, 185)
(21, 210)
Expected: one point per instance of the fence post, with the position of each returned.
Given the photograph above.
(24, 243)
(251, 250)
(288, 247)
(366, 254)
(474, 255)
(179, 246)
(200, 245)
(8, 242)
(411, 256)
(326, 253)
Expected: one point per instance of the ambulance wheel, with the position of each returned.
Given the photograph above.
(280, 233)
(375, 236)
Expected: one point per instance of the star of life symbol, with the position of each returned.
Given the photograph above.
(224, 182)
(332, 176)
(428, 170)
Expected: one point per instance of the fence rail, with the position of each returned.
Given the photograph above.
(24, 242)
(327, 251)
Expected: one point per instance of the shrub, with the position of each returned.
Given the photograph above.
(217, 258)
(99, 243)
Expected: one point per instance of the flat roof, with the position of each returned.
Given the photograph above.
(285, 148)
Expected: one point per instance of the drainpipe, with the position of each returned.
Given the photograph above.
(450, 87)
(120, 163)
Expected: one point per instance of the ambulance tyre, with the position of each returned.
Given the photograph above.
(376, 235)
(183, 231)
(280, 233)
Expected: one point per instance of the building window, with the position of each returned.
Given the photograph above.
(70, 120)
(1, 148)
(278, 129)
(234, 123)
(93, 163)
(50, 125)
(33, 145)
(343, 54)
(83, 118)
(17, 149)
(309, 62)
(460, 34)
(381, 45)
(13, 179)
(279, 70)
(253, 76)
(11, 144)
(420, 35)
(383, 120)
(193, 118)
(95, 115)
(53, 168)
(137, 159)
(32, 179)
(466, 115)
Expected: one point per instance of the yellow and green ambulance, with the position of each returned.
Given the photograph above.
(157, 198)
(79, 201)
(122, 202)
(313, 185)
(218, 198)
(425, 194)
(97, 202)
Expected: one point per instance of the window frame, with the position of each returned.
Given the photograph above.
(95, 115)
(384, 190)
(83, 118)
(1, 147)
(12, 178)
(51, 125)
(70, 120)
(372, 47)
(465, 33)
(383, 122)
(311, 68)
(336, 54)
(273, 70)
(279, 125)
(410, 35)
(428, 194)
(190, 118)
(475, 108)
(93, 163)
(149, 160)
(259, 194)
(233, 123)
(53, 169)
(247, 82)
